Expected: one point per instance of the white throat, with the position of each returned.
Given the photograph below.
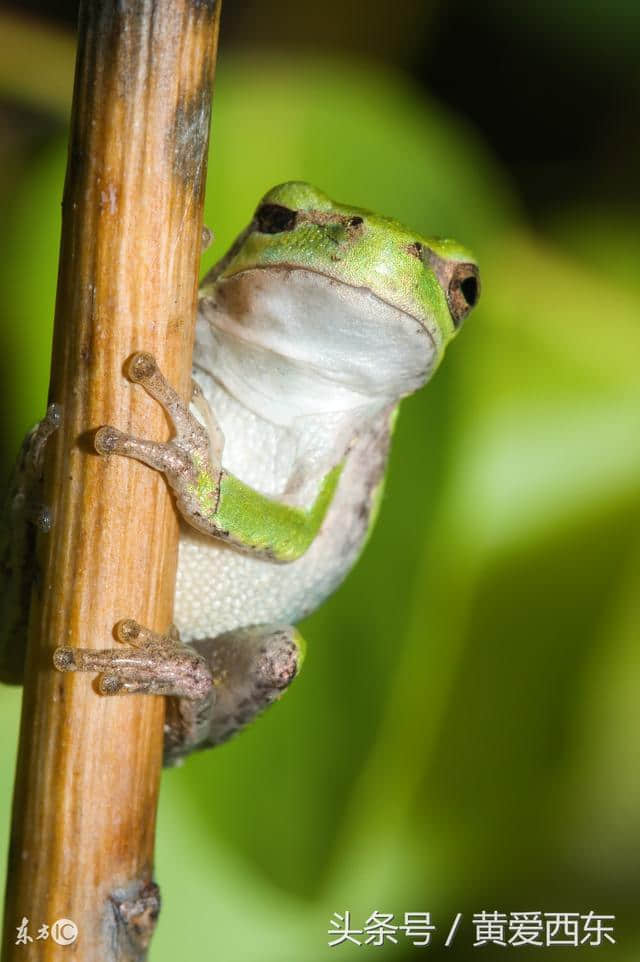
(290, 342)
(295, 365)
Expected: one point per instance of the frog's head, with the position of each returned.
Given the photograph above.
(362, 299)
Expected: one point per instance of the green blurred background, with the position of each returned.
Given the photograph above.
(465, 734)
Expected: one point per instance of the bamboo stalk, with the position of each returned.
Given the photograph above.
(88, 765)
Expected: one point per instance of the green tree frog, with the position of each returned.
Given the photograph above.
(310, 330)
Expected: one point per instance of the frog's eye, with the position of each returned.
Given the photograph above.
(274, 219)
(459, 281)
(463, 291)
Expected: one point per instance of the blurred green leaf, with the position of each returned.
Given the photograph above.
(465, 715)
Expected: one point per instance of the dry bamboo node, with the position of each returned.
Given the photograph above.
(88, 765)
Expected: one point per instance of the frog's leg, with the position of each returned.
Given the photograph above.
(22, 517)
(250, 669)
(192, 455)
(208, 497)
(217, 685)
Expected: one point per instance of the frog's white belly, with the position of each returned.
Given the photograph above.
(219, 588)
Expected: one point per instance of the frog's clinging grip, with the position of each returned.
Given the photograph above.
(147, 663)
(216, 685)
(210, 499)
(316, 323)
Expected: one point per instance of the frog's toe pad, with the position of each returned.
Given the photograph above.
(64, 659)
(141, 367)
(108, 440)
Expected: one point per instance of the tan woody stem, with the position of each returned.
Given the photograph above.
(88, 766)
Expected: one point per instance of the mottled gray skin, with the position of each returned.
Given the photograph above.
(250, 668)
(22, 517)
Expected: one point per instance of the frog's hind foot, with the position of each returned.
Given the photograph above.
(147, 663)
(250, 669)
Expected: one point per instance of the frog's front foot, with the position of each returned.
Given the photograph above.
(148, 663)
(191, 461)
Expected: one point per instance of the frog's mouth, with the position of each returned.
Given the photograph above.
(296, 332)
